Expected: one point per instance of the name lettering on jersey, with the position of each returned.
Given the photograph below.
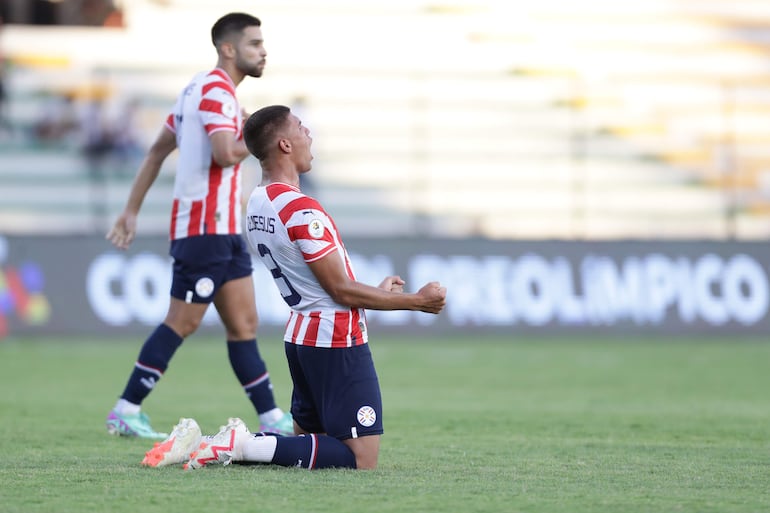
(261, 223)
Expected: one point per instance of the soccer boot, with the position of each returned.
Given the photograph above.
(183, 440)
(224, 447)
(284, 426)
(132, 425)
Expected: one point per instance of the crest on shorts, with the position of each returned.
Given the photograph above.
(204, 287)
(366, 416)
(315, 228)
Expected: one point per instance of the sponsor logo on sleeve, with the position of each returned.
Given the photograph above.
(316, 228)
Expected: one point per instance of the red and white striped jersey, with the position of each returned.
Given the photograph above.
(287, 229)
(207, 197)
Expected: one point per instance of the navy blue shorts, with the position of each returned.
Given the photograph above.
(336, 391)
(202, 264)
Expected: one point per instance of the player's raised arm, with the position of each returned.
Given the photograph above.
(331, 275)
(392, 283)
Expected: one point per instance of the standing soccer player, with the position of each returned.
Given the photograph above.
(336, 403)
(211, 260)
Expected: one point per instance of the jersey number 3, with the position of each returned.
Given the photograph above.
(288, 293)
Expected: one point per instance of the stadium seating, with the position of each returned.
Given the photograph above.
(507, 119)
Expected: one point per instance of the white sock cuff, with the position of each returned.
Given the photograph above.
(126, 408)
(260, 449)
(271, 417)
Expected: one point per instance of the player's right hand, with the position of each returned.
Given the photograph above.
(122, 233)
(393, 284)
(433, 296)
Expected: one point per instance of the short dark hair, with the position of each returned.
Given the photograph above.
(232, 23)
(260, 129)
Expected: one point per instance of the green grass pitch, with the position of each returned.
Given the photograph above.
(476, 424)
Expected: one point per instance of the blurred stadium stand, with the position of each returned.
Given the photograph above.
(501, 118)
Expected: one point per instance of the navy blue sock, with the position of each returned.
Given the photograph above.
(252, 373)
(153, 360)
(313, 452)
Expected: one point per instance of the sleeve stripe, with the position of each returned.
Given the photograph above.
(300, 232)
(211, 128)
(170, 123)
(320, 254)
(210, 106)
(276, 189)
(301, 203)
(217, 85)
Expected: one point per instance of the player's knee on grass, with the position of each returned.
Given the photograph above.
(366, 450)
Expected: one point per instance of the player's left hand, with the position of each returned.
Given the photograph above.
(393, 284)
(123, 231)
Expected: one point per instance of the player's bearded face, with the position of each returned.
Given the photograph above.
(250, 52)
(252, 66)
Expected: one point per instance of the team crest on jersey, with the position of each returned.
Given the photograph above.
(316, 228)
(204, 287)
(366, 416)
(228, 109)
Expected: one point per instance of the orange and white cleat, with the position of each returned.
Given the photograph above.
(183, 440)
(224, 447)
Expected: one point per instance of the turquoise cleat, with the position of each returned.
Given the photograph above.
(284, 426)
(132, 425)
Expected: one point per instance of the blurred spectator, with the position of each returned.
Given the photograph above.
(5, 125)
(59, 122)
(98, 134)
(126, 136)
(98, 144)
(101, 13)
(111, 148)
